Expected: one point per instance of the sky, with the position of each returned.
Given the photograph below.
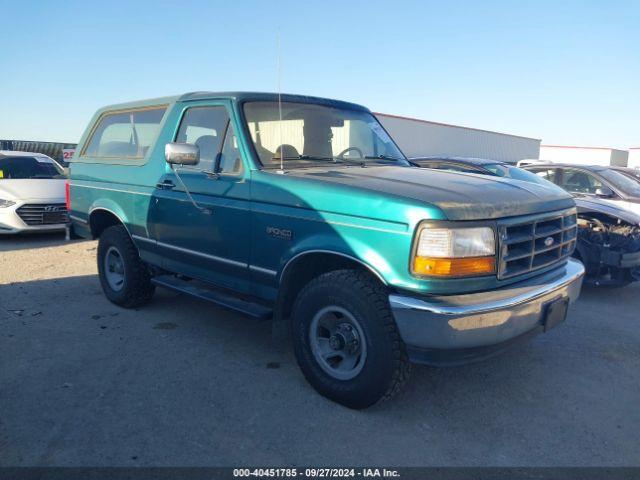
(567, 72)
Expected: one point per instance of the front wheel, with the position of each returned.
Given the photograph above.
(124, 277)
(346, 341)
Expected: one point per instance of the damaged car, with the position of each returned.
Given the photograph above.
(608, 200)
(608, 221)
(608, 243)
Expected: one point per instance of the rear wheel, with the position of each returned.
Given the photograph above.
(124, 277)
(346, 340)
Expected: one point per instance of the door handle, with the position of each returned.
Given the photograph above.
(165, 185)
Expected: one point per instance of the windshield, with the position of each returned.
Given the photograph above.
(12, 168)
(631, 172)
(310, 133)
(621, 181)
(516, 173)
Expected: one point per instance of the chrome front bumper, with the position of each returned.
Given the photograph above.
(456, 329)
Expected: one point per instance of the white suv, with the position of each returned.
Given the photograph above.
(32, 193)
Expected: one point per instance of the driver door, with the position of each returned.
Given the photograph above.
(201, 214)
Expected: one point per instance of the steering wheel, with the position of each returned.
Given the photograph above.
(347, 150)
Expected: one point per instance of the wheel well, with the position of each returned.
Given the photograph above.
(307, 267)
(100, 220)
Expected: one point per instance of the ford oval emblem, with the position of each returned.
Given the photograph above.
(548, 241)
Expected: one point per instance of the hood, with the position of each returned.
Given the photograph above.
(33, 189)
(460, 196)
(627, 211)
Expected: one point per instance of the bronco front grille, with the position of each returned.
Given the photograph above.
(536, 242)
(43, 214)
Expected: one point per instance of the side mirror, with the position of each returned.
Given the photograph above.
(604, 192)
(182, 154)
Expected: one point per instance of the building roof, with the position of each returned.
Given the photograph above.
(582, 148)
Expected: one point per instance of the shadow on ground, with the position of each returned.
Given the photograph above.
(24, 241)
(182, 382)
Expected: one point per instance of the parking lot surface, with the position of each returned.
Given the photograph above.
(181, 382)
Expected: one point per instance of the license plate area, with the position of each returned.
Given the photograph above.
(53, 217)
(555, 313)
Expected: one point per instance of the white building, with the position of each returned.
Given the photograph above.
(584, 155)
(634, 157)
(422, 138)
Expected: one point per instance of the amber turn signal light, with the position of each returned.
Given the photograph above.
(454, 267)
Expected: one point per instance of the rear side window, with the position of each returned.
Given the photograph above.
(125, 134)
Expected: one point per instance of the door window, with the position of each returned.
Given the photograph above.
(546, 173)
(230, 161)
(577, 181)
(204, 127)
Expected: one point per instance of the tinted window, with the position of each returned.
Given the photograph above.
(12, 168)
(632, 172)
(204, 127)
(577, 181)
(521, 174)
(516, 173)
(456, 167)
(627, 184)
(127, 134)
(545, 173)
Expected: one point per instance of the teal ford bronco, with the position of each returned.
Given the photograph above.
(304, 211)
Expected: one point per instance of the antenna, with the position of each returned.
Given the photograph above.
(279, 68)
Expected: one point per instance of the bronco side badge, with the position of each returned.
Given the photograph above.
(281, 233)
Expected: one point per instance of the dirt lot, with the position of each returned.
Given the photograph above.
(181, 382)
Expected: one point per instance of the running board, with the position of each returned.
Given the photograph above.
(211, 294)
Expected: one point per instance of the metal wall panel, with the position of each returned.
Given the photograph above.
(584, 155)
(423, 138)
(634, 157)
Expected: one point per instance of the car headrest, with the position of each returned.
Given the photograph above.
(288, 151)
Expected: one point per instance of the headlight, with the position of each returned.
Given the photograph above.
(454, 252)
(6, 203)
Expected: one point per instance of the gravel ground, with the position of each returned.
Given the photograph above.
(183, 383)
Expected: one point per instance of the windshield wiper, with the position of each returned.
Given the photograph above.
(348, 161)
(314, 158)
(383, 157)
(303, 157)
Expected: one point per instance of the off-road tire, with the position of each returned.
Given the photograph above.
(386, 368)
(137, 288)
